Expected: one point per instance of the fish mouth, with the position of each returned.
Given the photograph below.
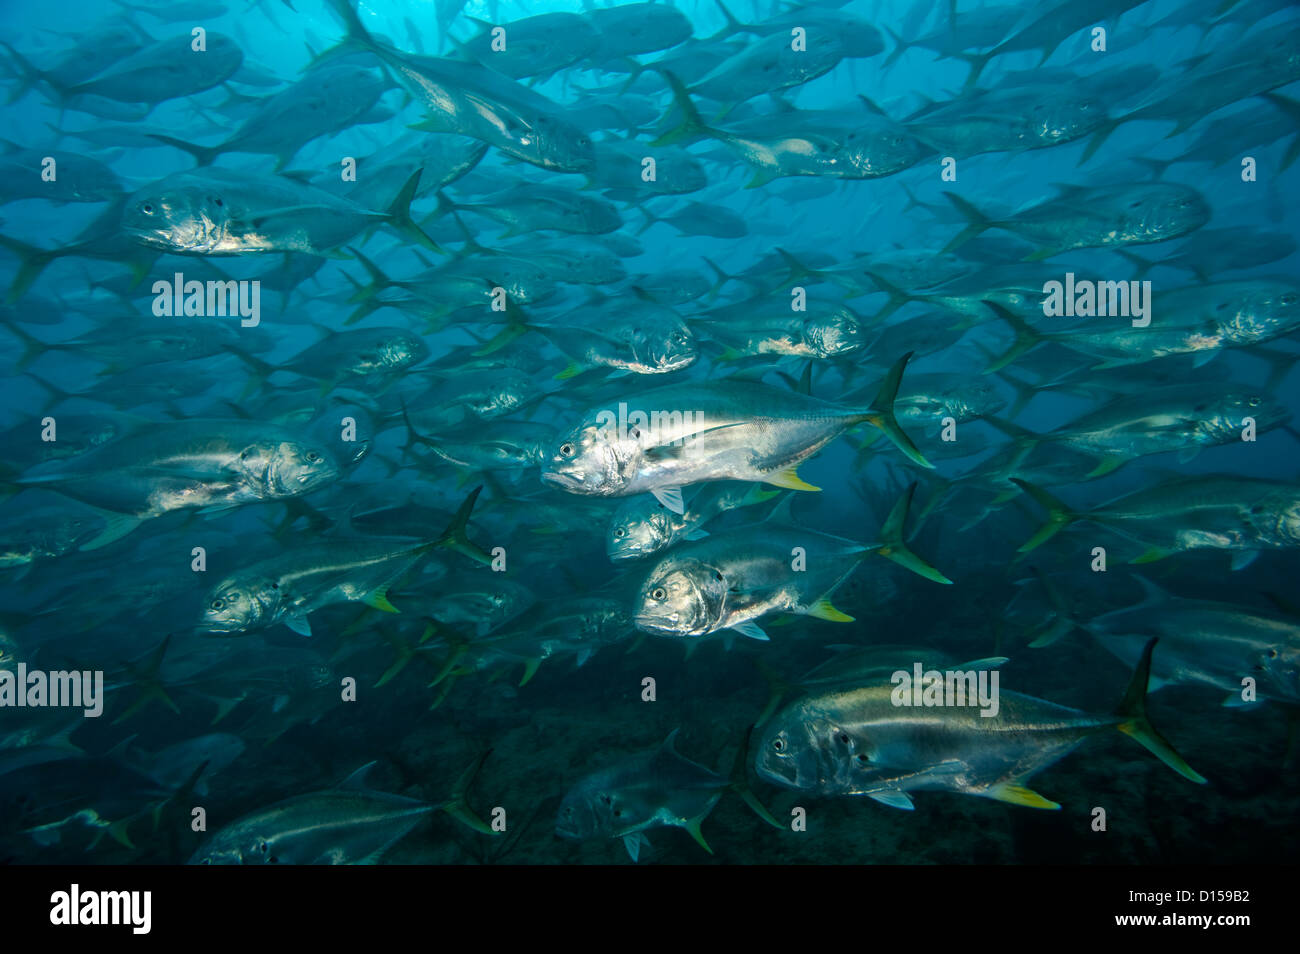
(565, 481)
(784, 772)
(654, 624)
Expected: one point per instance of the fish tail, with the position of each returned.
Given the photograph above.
(378, 279)
(33, 348)
(976, 222)
(203, 155)
(149, 683)
(25, 71)
(722, 277)
(1026, 337)
(456, 536)
(1098, 138)
(733, 26)
(399, 213)
(458, 805)
(31, 262)
(1022, 436)
(881, 413)
(895, 548)
(258, 370)
(897, 296)
(650, 219)
(516, 325)
(1063, 623)
(977, 62)
(740, 784)
(1143, 265)
(1059, 516)
(901, 46)
(777, 690)
(1133, 711)
(692, 125)
(357, 38)
(413, 437)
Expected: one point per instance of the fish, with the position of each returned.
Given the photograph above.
(532, 46)
(737, 431)
(287, 588)
(167, 69)
(1181, 419)
(324, 101)
(861, 742)
(1204, 643)
(657, 788)
(1202, 320)
(224, 212)
(1101, 217)
(1243, 515)
(344, 825)
(642, 526)
(474, 101)
(836, 144)
(731, 581)
(186, 464)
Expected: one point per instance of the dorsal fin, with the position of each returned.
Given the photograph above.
(357, 780)
(782, 511)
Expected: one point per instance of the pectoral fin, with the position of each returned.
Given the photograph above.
(1019, 795)
(823, 609)
(670, 497)
(298, 624)
(693, 826)
(633, 844)
(789, 479)
(893, 799)
(752, 630)
(379, 600)
(1243, 558)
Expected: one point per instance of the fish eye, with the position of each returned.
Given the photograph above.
(620, 533)
(1272, 654)
(263, 847)
(217, 201)
(1289, 298)
(659, 593)
(778, 745)
(147, 209)
(862, 758)
(313, 457)
(566, 450)
(218, 604)
(843, 737)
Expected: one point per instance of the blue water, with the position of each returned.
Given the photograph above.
(306, 710)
